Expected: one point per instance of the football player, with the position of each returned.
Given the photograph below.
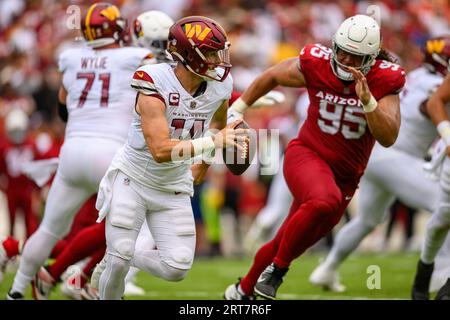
(150, 178)
(150, 30)
(17, 150)
(439, 224)
(395, 172)
(353, 92)
(95, 90)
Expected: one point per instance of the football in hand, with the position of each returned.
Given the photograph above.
(238, 161)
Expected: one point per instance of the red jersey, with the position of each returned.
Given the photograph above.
(12, 158)
(336, 127)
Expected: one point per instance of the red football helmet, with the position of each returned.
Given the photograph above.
(437, 54)
(103, 24)
(201, 45)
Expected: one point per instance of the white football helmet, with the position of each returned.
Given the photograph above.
(16, 125)
(151, 30)
(358, 35)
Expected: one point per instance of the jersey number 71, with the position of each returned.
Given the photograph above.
(90, 77)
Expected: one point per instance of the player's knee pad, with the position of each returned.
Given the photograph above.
(367, 224)
(122, 248)
(180, 257)
(440, 218)
(173, 274)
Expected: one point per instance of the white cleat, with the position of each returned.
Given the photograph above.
(42, 284)
(232, 293)
(132, 289)
(70, 291)
(89, 293)
(95, 277)
(327, 279)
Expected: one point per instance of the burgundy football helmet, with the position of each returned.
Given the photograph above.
(437, 54)
(201, 45)
(103, 25)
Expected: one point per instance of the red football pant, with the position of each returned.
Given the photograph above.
(86, 243)
(22, 200)
(318, 205)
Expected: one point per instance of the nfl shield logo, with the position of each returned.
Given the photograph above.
(193, 104)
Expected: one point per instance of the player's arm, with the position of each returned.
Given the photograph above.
(286, 73)
(383, 116)
(163, 149)
(436, 110)
(62, 106)
(218, 122)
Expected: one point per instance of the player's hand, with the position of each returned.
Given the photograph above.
(362, 88)
(229, 137)
(269, 99)
(233, 115)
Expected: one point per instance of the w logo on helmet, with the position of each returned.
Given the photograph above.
(435, 46)
(111, 13)
(196, 30)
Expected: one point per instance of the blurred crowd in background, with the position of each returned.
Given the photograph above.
(262, 32)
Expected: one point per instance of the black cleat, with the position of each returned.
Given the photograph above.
(14, 295)
(269, 281)
(444, 292)
(421, 286)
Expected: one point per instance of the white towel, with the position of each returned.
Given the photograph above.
(434, 166)
(104, 196)
(40, 171)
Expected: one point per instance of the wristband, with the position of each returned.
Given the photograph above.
(371, 105)
(201, 145)
(239, 105)
(444, 131)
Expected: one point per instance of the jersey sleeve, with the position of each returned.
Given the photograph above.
(311, 60)
(390, 81)
(144, 84)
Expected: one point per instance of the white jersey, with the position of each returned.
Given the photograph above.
(417, 132)
(99, 98)
(185, 115)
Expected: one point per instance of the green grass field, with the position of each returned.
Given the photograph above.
(209, 278)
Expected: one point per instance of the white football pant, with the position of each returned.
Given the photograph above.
(171, 223)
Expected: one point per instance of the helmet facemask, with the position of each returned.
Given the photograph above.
(209, 63)
(340, 69)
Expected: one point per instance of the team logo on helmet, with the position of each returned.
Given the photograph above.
(196, 29)
(435, 46)
(111, 13)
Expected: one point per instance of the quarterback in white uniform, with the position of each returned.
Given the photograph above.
(396, 172)
(98, 122)
(150, 178)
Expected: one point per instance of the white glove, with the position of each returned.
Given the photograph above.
(233, 115)
(269, 99)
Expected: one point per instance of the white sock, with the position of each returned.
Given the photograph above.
(36, 250)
